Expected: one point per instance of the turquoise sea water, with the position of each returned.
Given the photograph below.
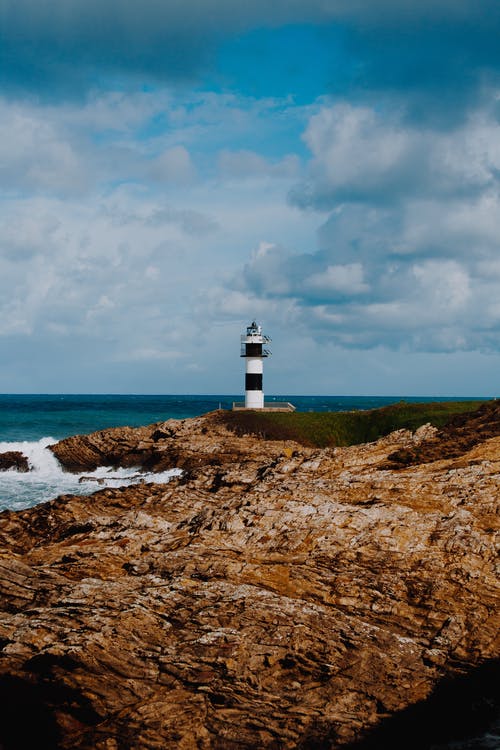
(30, 423)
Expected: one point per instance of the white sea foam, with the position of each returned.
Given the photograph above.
(46, 478)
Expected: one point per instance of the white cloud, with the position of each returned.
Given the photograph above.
(131, 214)
(160, 140)
(191, 222)
(355, 151)
(414, 270)
(411, 265)
(173, 165)
(115, 273)
(346, 279)
(34, 155)
(445, 285)
(363, 155)
(248, 164)
(409, 285)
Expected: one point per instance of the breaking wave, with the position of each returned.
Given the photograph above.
(47, 479)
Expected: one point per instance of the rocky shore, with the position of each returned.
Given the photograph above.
(273, 596)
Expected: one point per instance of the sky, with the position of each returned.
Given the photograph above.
(171, 170)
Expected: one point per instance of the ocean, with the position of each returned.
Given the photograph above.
(30, 423)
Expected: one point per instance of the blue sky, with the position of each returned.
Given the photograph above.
(170, 171)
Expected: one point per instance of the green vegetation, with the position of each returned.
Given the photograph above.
(323, 429)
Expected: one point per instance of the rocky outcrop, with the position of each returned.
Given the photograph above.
(274, 596)
(459, 435)
(120, 446)
(186, 444)
(13, 460)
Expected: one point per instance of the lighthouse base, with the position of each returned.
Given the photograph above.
(272, 406)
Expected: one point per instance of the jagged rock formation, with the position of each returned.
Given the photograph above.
(462, 433)
(13, 460)
(275, 596)
(185, 444)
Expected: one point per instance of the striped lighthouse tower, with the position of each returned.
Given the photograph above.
(252, 350)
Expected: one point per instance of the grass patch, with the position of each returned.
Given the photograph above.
(322, 429)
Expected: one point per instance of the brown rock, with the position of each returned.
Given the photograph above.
(462, 433)
(14, 460)
(275, 596)
(185, 444)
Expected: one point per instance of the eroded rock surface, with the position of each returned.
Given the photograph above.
(274, 596)
(462, 433)
(185, 444)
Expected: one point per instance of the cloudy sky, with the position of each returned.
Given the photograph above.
(172, 169)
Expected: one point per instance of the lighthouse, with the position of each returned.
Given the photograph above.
(252, 349)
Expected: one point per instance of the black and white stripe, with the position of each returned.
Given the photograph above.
(253, 352)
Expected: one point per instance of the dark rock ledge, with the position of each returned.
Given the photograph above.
(13, 460)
